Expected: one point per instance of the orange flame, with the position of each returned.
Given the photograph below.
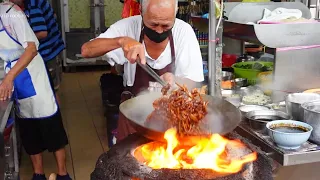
(208, 153)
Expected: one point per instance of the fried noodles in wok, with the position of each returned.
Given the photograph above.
(183, 109)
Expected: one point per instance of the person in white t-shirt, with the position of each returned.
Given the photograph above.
(157, 38)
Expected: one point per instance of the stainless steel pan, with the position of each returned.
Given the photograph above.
(222, 116)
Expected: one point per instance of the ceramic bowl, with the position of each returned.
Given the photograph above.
(289, 134)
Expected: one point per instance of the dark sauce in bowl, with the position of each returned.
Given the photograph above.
(289, 128)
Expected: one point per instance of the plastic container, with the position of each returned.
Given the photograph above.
(205, 68)
(250, 74)
(312, 91)
(228, 60)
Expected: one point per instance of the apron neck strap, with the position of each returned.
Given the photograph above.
(10, 8)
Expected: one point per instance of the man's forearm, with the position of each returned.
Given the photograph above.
(28, 55)
(100, 46)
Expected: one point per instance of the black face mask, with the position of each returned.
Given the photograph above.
(154, 35)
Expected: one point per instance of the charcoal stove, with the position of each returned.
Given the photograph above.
(119, 164)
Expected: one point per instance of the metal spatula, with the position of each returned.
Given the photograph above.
(152, 73)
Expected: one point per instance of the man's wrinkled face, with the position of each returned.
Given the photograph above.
(159, 18)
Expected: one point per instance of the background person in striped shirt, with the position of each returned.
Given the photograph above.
(42, 20)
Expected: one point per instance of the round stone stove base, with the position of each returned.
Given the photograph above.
(119, 164)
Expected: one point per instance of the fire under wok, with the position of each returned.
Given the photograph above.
(222, 116)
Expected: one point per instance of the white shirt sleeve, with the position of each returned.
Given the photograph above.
(126, 27)
(116, 56)
(188, 55)
(21, 28)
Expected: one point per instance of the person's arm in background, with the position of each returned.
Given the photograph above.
(28, 40)
(37, 22)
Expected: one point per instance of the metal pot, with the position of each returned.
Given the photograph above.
(312, 117)
(294, 101)
(245, 58)
(227, 76)
(259, 119)
(241, 82)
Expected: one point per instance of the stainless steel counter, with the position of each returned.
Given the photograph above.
(284, 159)
(5, 109)
(9, 164)
(5, 106)
(293, 166)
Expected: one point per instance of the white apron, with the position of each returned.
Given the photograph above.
(32, 90)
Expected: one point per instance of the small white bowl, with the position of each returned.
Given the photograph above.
(288, 138)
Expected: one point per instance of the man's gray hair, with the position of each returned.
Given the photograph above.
(144, 5)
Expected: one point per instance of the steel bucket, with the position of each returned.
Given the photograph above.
(312, 117)
(294, 101)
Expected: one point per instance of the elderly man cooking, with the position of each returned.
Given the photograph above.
(166, 44)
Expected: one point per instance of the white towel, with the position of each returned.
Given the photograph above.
(280, 14)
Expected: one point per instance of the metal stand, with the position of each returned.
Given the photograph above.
(11, 153)
(9, 157)
(212, 66)
(277, 37)
(295, 69)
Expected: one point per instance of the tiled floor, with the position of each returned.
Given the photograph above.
(84, 122)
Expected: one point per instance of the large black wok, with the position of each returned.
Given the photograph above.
(222, 116)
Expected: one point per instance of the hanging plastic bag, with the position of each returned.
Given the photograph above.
(218, 11)
(130, 8)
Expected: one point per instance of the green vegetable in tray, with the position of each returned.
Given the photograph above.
(269, 68)
(256, 66)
